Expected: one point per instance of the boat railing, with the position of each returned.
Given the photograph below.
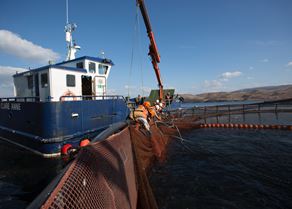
(89, 97)
(20, 99)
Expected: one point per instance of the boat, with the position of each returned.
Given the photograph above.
(65, 103)
(60, 103)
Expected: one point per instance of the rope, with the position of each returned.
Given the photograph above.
(132, 51)
(140, 53)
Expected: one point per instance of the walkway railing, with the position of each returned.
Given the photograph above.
(260, 113)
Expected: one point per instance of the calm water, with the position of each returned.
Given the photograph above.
(226, 169)
(23, 175)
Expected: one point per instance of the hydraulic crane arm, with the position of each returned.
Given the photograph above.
(153, 50)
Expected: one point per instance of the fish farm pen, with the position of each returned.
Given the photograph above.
(124, 167)
(270, 113)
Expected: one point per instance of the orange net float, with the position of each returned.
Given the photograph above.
(261, 126)
(222, 125)
(256, 126)
(231, 125)
(84, 142)
(266, 126)
(65, 150)
(236, 125)
(283, 127)
(251, 126)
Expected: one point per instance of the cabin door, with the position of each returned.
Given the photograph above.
(86, 85)
(100, 85)
(36, 85)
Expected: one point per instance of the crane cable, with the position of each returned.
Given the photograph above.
(136, 38)
(140, 51)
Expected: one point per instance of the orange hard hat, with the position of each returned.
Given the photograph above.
(147, 104)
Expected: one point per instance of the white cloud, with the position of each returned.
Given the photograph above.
(251, 68)
(218, 84)
(8, 70)
(228, 75)
(6, 81)
(11, 43)
(265, 60)
(213, 84)
(289, 64)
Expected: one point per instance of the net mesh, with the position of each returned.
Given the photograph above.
(112, 173)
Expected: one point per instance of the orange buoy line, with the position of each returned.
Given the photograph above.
(246, 126)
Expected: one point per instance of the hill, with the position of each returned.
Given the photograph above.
(267, 93)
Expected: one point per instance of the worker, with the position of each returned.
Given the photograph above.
(140, 114)
(168, 98)
(152, 112)
(138, 100)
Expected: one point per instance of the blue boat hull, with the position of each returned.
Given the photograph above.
(43, 127)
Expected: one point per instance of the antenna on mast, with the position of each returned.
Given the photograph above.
(69, 28)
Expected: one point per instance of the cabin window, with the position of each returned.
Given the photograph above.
(92, 67)
(79, 65)
(44, 80)
(102, 69)
(30, 82)
(70, 80)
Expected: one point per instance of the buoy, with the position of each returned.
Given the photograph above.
(65, 149)
(231, 125)
(266, 126)
(261, 126)
(236, 125)
(84, 142)
(250, 126)
(256, 126)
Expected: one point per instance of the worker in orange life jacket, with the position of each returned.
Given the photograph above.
(151, 109)
(140, 114)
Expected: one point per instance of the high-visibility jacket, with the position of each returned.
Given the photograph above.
(152, 112)
(140, 111)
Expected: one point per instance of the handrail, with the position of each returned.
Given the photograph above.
(90, 97)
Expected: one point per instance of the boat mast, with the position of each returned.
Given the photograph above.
(69, 28)
(153, 50)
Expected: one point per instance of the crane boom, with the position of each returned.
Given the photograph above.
(153, 50)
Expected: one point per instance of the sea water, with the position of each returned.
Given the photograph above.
(23, 175)
(226, 168)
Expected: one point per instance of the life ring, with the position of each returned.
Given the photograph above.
(66, 94)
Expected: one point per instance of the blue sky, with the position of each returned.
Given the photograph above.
(205, 45)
